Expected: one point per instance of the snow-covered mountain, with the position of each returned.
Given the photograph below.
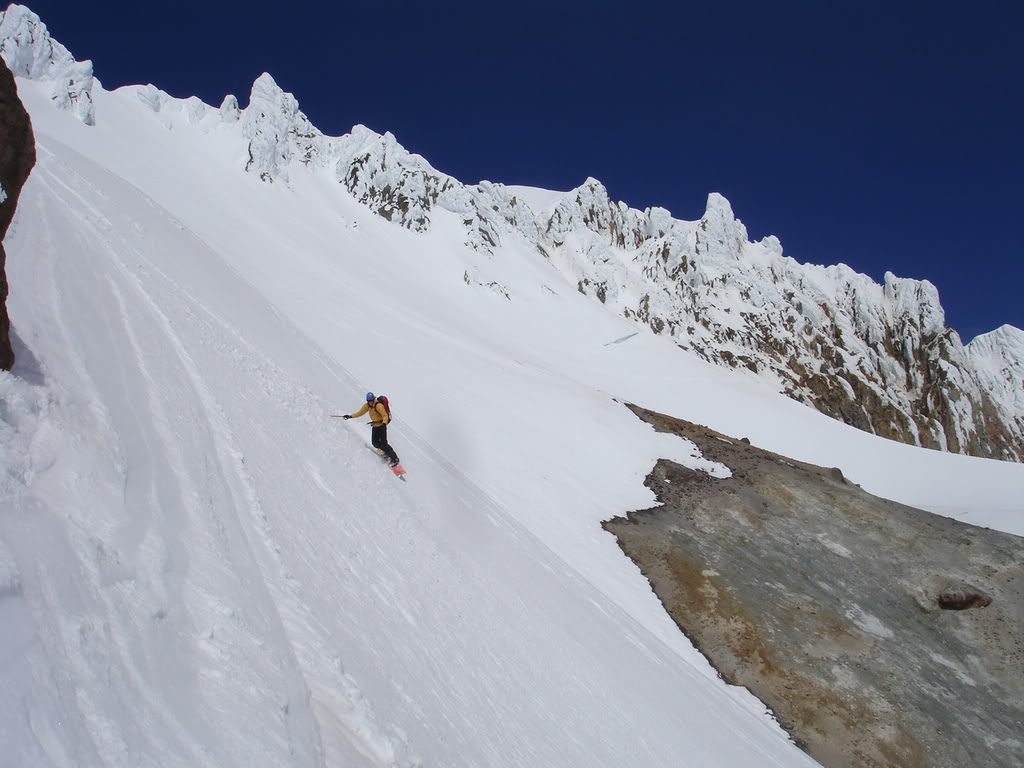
(199, 566)
(879, 357)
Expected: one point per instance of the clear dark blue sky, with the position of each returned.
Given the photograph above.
(887, 135)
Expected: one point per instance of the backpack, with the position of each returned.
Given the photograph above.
(387, 406)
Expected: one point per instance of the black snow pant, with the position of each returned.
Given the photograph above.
(379, 439)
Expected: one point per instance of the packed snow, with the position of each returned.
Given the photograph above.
(200, 566)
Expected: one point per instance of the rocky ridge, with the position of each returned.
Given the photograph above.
(878, 357)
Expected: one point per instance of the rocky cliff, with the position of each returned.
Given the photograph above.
(878, 357)
(17, 156)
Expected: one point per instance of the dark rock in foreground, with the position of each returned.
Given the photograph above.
(827, 603)
(17, 156)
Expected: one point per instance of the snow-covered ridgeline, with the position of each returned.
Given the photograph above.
(878, 357)
(379, 172)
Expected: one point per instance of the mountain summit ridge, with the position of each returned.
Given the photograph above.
(876, 356)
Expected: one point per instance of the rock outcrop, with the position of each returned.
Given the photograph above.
(880, 635)
(17, 156)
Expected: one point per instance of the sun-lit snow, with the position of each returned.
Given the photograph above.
(199, 566)
(542, 201)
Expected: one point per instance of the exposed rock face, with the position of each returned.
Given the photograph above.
(878, 357)
(17, 156)
(827, 603)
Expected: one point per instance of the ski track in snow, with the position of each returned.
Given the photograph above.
(144, 424)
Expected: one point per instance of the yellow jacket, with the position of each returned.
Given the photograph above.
(378, 413)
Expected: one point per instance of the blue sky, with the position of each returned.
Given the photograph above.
(883, 135)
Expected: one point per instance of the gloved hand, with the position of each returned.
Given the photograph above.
(346, 416)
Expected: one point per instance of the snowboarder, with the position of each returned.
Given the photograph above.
(380, 415)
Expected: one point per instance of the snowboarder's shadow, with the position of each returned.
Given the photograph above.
(458, 444)
(26, 365)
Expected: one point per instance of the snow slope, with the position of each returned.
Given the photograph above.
(198, 566)
(207, 570)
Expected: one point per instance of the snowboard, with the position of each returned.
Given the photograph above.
(398, 469)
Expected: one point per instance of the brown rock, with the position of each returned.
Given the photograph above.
(17, 156)
(962, 597)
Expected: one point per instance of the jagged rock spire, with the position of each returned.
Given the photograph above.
(28, 49)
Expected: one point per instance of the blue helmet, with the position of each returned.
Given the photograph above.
(370, 397)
